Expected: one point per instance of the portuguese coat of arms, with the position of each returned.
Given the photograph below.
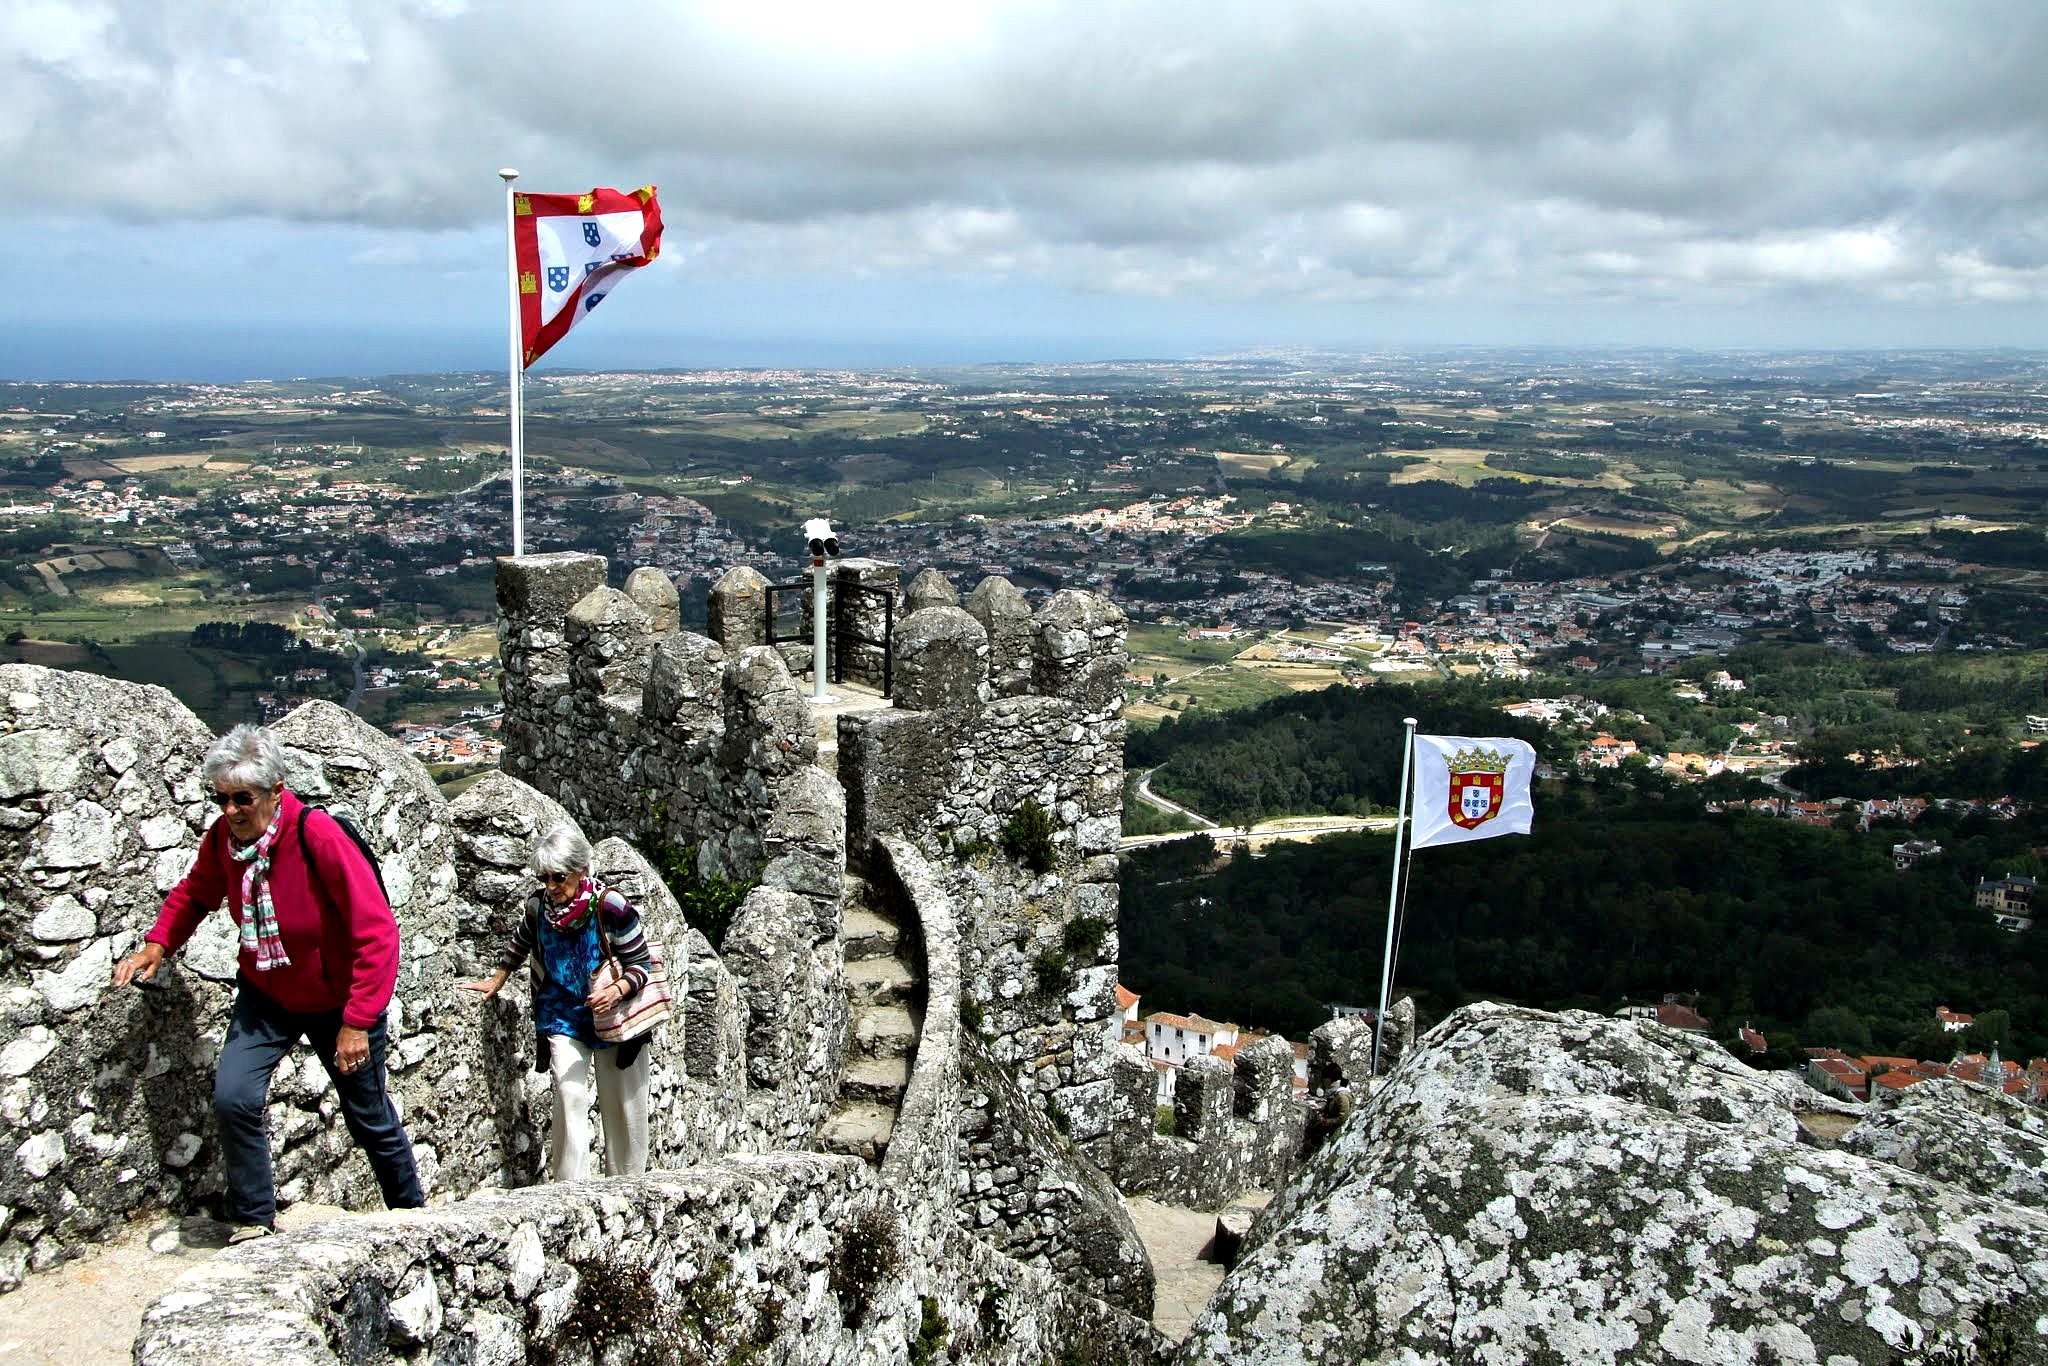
(1478, 786)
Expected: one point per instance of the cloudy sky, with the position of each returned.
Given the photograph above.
(197, 187)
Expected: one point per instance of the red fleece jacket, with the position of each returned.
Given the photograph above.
(343, 947)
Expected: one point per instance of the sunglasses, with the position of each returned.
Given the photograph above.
(224, 800)
(552, 878)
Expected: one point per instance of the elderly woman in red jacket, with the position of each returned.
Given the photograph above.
(319, 959)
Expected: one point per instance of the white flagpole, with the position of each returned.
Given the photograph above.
(508, 175)
(1394, 879)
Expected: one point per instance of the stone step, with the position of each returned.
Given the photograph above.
(858, 1129)
(884, 1032)
(879, 982)
(867, 935)
(880, 1080)
(858, 894)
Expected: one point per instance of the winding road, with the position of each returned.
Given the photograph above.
(1262, 832)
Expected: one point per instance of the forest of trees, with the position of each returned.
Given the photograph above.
(243, 637)
(1629, 888)
(1336, 751)
(1616, 896)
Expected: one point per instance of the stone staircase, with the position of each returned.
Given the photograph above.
(886, 994)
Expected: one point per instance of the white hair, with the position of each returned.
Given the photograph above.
(247, 756)
(561, 848)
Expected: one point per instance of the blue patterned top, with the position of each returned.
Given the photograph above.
(567, 959)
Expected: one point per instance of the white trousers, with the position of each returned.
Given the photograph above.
(621, 1102)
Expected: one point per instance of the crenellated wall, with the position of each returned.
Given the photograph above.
(105, 1095)
(1235, 1129)
(666, 737)
(647, 731)
(1239, 1126)
(973, 738)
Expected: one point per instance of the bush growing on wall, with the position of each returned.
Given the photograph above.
(1027, 836)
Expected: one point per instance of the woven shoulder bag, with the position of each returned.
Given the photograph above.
(640, 1011)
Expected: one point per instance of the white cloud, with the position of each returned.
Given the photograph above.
(1304, 149)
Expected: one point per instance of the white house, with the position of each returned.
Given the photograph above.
(1174, 1039)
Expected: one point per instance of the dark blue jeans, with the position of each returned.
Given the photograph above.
(260, 1033)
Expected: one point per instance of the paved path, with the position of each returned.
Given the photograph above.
(88, 1311)
(1167, 804)
(1174, 1238)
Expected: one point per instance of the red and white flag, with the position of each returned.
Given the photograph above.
(572, 249)
(1469, 789)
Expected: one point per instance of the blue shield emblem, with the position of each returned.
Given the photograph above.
(590, 301)
(589, 266)
(591, 235)
(558, 278)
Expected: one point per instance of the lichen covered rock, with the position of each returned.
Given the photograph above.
(1540, 1187)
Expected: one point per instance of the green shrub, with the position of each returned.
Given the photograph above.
(708, 904)
(1053, 969)
(620, 1316)
(865, 1255)
(1027, 836)
(932, 1332)
(1084, 936)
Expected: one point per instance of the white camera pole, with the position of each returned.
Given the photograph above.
(821, 542)
(817, 628)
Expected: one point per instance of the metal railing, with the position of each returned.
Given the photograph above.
(843, 635)
(848, 637)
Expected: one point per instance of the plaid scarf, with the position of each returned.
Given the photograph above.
(260, 938)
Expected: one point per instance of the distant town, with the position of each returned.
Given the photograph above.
(1644, 555)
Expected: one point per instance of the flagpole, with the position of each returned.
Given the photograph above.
(1394, 880)
(508, 175)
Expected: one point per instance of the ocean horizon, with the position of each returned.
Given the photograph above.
(192, 354)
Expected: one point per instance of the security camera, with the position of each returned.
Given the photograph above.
(818, 532)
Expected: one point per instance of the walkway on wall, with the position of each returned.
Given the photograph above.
(839, 701)
(87, 1311)
(886, 994)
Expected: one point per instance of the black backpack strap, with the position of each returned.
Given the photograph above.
(312, 865)
(306, 848)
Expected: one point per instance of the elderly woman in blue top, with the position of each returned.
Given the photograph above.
(558, 934)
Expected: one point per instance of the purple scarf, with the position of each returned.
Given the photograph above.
(568, 916)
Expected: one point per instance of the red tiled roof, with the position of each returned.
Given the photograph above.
(1190, 1022)
(1125, 997)
(1682, 1017)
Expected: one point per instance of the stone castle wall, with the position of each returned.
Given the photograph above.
(105, 1095)
(666, 739)
(978, 733)
(786, 1259)
(1239, 1126)
(1235, 1129)
(707, 742)
(1018, 1183)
